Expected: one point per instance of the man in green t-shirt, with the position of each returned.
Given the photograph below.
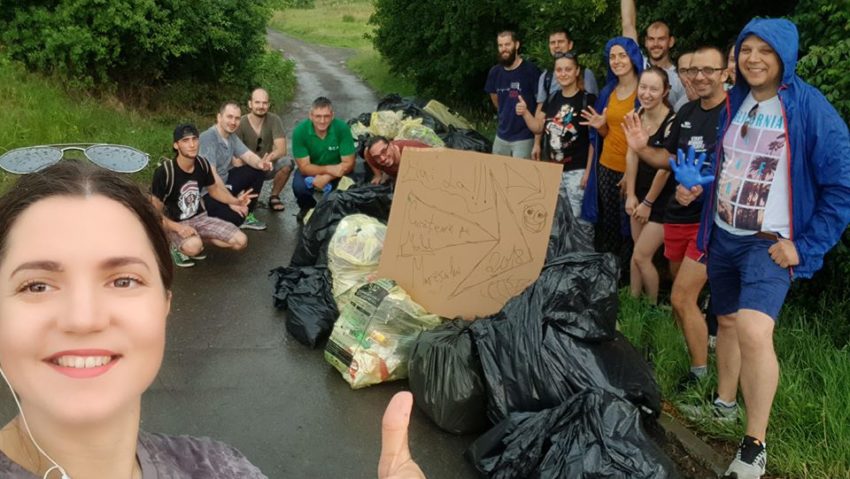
(324, 151)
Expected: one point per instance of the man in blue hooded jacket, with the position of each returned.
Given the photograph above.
(781, 200)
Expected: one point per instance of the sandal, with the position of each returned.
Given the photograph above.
(275, 204)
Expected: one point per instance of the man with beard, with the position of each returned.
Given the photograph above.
(658, 43)
(176, 193)
(511, 78)
(262, 132)
(239, 168)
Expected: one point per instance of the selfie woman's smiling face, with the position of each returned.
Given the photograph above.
(82, 309)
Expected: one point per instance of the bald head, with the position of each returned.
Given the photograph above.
(259, 103)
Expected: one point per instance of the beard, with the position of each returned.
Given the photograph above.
(509, 60)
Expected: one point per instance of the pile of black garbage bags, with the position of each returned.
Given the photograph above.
(556, 390)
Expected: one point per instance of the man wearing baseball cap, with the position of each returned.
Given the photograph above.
(176, 193)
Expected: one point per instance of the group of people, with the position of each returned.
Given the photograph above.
(207, 192)
(726, 158)
(86, 279)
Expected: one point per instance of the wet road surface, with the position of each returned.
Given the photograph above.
(233, 372)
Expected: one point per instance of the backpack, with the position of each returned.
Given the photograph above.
(167, 165)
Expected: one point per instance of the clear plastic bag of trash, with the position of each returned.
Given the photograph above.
(375, 332)
(354, 252)
(415, 130)
(385, 123)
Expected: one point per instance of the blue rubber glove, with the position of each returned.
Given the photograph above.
(687, 170)
(327, 189)
(309, 181)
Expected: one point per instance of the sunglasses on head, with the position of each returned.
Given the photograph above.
(567, 55)
(751, 116)
(117, 158)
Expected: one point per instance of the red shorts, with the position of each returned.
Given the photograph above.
(681, 241)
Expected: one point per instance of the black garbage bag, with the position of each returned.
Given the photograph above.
(463, 139)
(371, 200)
(446, 379)
(549, 342)
(591, 434)
(578, 292)
(306, 294)
(566, 236)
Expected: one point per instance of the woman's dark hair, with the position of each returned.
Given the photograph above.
(77, 178)
(665, 80)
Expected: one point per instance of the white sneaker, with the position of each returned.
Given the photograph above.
(746, 465)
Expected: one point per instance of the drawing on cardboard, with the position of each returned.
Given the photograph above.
(467, 231)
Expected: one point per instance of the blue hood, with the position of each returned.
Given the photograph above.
(782, 36)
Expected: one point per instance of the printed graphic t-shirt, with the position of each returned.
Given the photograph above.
(752, 192)
(184, 200)
(508, 85)
(564, 140)
(698, 128)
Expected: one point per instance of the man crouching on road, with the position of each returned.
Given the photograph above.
(324, 151)
(176, 193)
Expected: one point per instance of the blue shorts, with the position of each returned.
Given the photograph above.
(741, 275)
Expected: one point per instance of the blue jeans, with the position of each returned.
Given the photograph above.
(304, 195)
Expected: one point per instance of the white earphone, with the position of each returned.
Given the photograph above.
(56, 466)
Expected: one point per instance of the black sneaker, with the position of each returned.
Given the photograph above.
(750, 460)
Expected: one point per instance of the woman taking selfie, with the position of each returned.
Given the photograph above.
(85, 289)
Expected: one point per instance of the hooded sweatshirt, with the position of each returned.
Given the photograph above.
(818, 150)
(589, 207)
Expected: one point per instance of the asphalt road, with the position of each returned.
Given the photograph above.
(233, 372)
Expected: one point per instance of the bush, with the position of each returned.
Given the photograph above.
(137, 43)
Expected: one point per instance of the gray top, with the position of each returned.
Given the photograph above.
(220, 151)
(172, 457)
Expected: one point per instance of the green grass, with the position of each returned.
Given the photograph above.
(38, 111)
(809, 434)
(344, 24)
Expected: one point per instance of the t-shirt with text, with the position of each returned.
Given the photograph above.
(752, 190)
(695, 127)
(564, 140)
(508, 85)
(184, 199)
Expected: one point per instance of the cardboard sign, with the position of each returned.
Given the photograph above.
(468, 231)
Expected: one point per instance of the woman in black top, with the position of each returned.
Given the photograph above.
(562, 139)
(647, 189)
